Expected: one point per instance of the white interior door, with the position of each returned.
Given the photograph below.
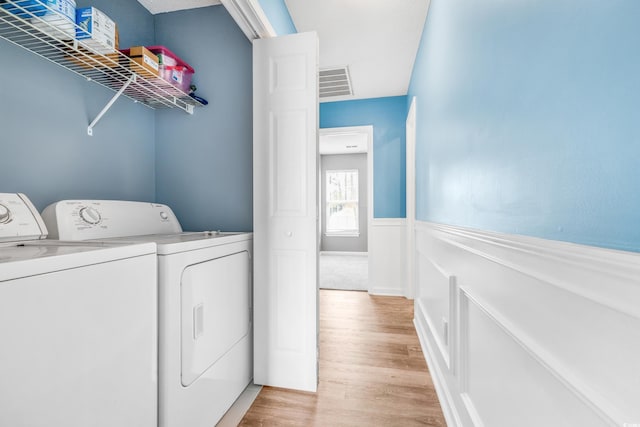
(409, 291)
(285, 211)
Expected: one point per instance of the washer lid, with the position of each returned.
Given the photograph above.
(19, 219)
(25, 259)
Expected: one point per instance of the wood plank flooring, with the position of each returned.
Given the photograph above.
(372, 371)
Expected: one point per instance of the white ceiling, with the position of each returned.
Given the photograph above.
(376, 39)
(160, 6)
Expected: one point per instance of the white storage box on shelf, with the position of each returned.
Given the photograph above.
(78, 327)
(97, 31)
(205, 293)
(61, 15)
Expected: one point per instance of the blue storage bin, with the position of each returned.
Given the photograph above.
(27, 8)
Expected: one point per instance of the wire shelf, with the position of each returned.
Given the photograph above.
(21, 25)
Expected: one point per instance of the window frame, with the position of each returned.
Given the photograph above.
(329, 203)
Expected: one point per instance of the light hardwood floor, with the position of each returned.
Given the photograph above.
(372, 371)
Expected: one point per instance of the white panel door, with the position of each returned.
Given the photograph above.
(285, 211)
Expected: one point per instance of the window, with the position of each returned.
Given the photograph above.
(342, 203)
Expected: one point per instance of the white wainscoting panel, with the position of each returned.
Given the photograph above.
(540, 333)
(438, 303)
(387, 249)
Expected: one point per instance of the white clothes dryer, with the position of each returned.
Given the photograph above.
(205, 302)
(78, 327)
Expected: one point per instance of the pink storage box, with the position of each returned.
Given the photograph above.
(173, 69)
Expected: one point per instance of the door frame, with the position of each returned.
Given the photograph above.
(410, 167)
(368, 130)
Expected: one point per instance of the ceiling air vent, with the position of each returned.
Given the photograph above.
(335, 82)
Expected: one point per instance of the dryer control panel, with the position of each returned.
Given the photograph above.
(105, 219)
(19, 219)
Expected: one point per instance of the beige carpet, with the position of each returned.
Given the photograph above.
(343, 271)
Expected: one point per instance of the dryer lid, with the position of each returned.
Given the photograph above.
(107, 219)
(169, 244)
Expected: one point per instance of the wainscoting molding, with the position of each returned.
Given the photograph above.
(387, 249)
(524, 331)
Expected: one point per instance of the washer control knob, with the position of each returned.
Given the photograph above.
(164, 215)
(90, 215)
(5, 214)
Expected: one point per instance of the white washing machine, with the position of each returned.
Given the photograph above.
(205, 310)
(78, 327)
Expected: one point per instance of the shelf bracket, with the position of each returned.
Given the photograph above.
(109, 104)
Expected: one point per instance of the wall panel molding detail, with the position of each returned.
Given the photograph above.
(447, 399)
(545, 360)
(387, 249)
(575, 268)
(550, 327)
(440, 307)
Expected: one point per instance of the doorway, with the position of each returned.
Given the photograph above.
(346, 207)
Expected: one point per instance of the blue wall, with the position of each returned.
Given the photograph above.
(201, 165)
(204, 162)
(528, 118)
(44, 112)
(388, 117)
(278, 15)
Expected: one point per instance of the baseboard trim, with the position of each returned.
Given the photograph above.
(347, 253)
(240, 407)
(386, 292)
